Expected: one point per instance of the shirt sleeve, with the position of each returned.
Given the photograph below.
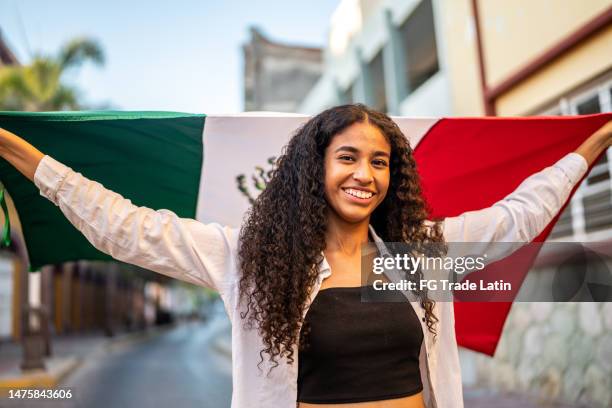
(519, 217)
(160, 240)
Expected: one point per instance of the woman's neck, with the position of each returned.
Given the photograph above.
(346, 238)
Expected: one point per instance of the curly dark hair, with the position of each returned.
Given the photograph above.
(283, 236)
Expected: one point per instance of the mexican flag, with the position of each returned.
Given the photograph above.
(189, 163)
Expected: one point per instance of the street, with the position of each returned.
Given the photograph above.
(178, 368)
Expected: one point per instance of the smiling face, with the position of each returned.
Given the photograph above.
(356, 172)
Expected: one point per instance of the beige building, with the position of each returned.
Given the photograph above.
(526, 55)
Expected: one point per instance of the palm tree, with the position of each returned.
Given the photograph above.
(39, 87)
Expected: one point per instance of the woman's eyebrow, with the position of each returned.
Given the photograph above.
(352, 149)
(381, 153)
(347, 148)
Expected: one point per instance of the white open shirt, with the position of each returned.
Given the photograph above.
(206, 255)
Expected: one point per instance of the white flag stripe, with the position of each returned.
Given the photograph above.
(414, 128)
(235, 144)
(232, 146)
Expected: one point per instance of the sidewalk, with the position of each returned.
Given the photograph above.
(67, 353)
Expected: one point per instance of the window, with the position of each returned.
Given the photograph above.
(377, 83)
(563, 227)
(590, 210)
(591, 105)
(419, 42)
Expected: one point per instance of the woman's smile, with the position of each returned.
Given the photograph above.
(359, 196)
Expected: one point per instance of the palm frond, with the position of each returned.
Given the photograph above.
(38, 86)
(79, 50)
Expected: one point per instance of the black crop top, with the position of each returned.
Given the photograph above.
(354, 351)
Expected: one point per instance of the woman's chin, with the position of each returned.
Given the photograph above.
(355, 218)
(349, 214)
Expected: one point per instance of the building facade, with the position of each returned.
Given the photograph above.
(277, 76)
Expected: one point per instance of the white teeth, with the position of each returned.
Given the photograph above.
(358, 193)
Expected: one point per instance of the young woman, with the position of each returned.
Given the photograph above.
(347, 177)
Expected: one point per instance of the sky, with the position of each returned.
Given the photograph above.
(180, 55)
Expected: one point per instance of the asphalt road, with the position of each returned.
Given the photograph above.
(179, 368)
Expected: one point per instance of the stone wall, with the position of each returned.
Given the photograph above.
(556, 351)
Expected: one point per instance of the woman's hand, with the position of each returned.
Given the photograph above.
(22, 155)
(599, 141)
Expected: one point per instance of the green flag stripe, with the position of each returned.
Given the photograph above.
(92, 115)
(154, 160)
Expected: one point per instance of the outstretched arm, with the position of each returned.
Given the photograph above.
(522, 215)
(596, 143)
(159, 240)
(22, 155)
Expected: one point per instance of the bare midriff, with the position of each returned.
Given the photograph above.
(412, 401)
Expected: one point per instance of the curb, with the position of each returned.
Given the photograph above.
(59, 368)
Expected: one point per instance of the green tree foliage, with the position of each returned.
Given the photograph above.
(39, 86)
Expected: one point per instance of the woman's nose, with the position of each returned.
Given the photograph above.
(363, 174)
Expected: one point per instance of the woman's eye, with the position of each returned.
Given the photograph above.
(380, 162)
(345, 158)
